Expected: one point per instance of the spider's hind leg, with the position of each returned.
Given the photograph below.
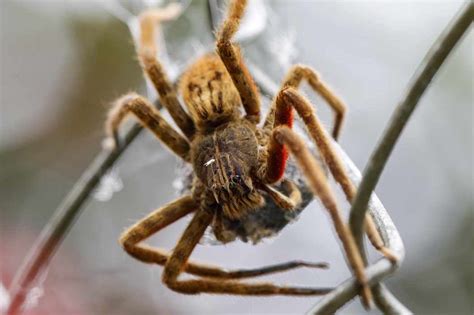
(149, 117)
(178, 260)
(131, 240)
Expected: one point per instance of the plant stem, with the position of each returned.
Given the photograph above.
(417, 86)
(384, 299)
(54, 232)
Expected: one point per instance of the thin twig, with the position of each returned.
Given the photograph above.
(387, 302)
(347, 290)
(63, 219)
(67, 212)
(58, 226)
(417, 86)
(420, 81)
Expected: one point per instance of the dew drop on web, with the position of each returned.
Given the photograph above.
(36, 292)
(109, 184)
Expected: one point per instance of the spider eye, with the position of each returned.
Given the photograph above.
(235, 180)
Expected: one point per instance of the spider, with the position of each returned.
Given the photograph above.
(236, 162)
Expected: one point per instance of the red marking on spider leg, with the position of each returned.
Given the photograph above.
(278, 154)
(276, 162)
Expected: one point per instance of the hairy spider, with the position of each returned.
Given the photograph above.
(236, 163)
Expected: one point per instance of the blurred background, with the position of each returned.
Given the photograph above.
(63, 62)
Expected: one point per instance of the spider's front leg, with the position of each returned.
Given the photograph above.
(149, 117)
(288, 99)
(147, 51)
(284, 136)
(232, 59)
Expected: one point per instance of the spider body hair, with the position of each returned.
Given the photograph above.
(209, 94)
(226, 161)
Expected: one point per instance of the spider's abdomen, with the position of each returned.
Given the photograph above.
(209, 93)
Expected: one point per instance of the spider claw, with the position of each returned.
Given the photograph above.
(109, 144)
(390, 255)
(305, 291)
(319, 265)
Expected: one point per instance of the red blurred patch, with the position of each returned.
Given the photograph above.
(56, 292)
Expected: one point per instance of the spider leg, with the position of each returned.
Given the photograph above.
(289, 202)
(282, 135)
(132, 238)
(178, 260)
(218, 273)
(149, 117)
(147, 52)
(290, 98)
(232, 59)
(293, 79)
(157, 220)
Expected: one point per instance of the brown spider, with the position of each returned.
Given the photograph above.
(235, 162)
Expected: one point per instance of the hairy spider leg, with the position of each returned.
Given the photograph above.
(150, 118)
(233, 61)
(284, 116)
(320, 187)
(289, 202)
(293, 79)
(321, 138)
(147, 52)
(131, 241)
(177, 263)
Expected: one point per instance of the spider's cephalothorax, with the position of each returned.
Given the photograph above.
(225, 161)
(236, 163)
